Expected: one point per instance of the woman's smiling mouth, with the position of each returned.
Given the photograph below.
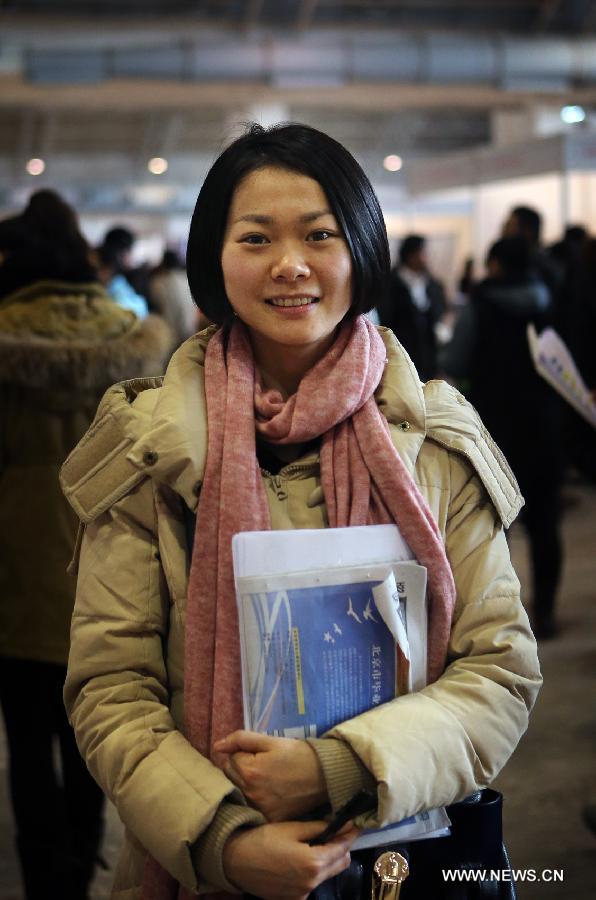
(291, 301)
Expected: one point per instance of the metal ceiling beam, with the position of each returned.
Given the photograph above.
(447, 7)
(49, 26)
(325, 58)
(124, 95)
(47, 31)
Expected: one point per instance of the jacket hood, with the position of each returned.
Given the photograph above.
(61, 335)
(517, 298)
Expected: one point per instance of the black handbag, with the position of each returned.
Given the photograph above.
(470, 864)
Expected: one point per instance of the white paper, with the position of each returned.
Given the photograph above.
(303, 550)
(401, 600)
(432, 823)
(387, 602)
(555, 364)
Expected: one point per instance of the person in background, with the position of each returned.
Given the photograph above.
(170, 296)
(292, 411)
(526, 223)
(466, 281)
(30, 252)
(490, 350)
(114, 262)
(62, 341)
(569, 254)
(567, 251)
(581, 336)
(414, 306)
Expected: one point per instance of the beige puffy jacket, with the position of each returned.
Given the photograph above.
(129, 480)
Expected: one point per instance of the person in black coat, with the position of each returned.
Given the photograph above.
(490, 350)
(414, 305)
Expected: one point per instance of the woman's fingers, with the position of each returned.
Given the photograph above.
(245, 741)
(282, 778)
(275, 862)
(232, 766)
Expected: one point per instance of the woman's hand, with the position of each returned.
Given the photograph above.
(275, 862)
(280, 777)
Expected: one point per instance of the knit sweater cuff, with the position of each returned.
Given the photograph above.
(343, 770)
(207, 853)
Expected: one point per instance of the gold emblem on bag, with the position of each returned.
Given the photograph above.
(389, 871)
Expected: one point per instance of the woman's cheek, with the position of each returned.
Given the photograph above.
(234, 272)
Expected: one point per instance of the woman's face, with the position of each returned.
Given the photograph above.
(286, 265)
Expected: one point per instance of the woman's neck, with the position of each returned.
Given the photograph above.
(283, 367)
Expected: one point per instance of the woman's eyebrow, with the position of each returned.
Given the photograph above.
(310, 217)
(258, 219)
(253, 217)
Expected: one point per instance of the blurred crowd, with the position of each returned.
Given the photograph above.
(76, 319)
(73, 321)
(485, 352)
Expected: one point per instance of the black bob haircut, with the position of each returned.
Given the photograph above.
(296, 148)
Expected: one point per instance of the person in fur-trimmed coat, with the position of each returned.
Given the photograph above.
(62, 342)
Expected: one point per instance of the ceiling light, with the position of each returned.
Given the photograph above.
(35, 166)
(393, 163)
(571, 115)
(158, 165)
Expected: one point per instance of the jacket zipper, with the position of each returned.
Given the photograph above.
(279, 491)
(289, 469)
(277, 480)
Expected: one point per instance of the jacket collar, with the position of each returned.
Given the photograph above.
(173, 450)
(401, 400)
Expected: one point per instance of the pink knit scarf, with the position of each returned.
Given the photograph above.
(364, 482)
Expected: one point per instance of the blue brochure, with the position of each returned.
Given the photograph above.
(322, 654)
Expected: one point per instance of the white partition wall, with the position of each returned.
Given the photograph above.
(555, 175)
(493, 202)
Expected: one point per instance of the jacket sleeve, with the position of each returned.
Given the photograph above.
(117, 697)
(434, 747)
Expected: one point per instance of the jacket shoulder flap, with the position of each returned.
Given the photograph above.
(97, 472)
(454, 423)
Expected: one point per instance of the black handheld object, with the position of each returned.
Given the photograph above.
(361, 802)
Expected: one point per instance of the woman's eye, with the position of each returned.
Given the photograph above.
(254, 239)
(321, 235)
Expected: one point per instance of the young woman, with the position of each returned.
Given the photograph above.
(292, 412)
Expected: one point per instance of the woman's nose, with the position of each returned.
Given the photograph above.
(289, 266)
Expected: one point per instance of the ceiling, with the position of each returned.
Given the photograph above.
(521, 16)
(98, 88)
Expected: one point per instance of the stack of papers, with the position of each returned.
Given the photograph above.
(332, 623)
